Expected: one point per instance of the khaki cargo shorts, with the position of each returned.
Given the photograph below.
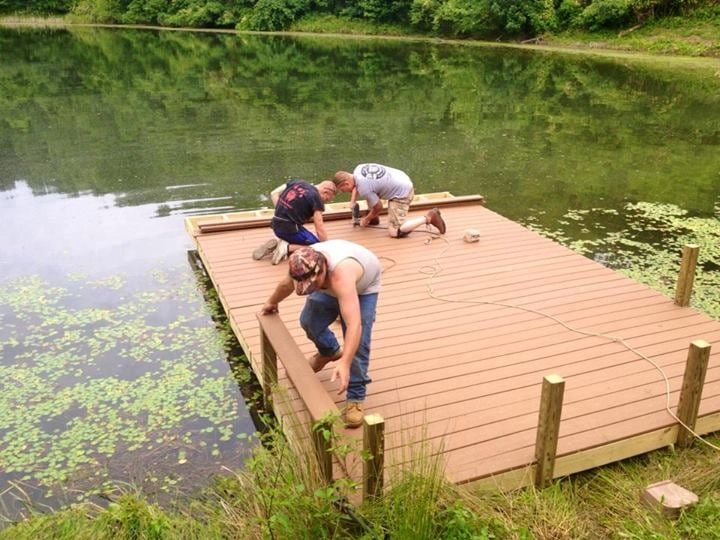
(398, 210)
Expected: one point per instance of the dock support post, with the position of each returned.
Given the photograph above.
(686, 275)
(322, 437)
(268, 356)
(374, 450)
(548, 428)
(691, 392)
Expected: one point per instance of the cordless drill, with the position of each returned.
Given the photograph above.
(356, 215)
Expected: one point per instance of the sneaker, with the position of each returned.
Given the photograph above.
(265, 249)
(434, 218)
(318, 361)
(353, 414)
(281, 252)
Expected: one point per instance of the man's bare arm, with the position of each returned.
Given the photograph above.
(374, 212)
(342, 283)
(281, 292)
(320, 225)
(275, 193)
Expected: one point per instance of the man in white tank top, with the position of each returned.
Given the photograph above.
(341, 278)
(375, 183)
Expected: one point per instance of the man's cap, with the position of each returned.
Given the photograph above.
(305, 265)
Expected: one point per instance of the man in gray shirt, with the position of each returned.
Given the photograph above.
(375, 183)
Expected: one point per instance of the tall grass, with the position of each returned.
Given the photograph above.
(280, 495)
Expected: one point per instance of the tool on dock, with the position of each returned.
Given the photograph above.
(356, 215)
(471, 235)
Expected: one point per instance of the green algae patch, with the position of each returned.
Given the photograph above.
(644, 242)
(104, 381)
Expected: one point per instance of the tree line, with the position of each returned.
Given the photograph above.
(478, 19)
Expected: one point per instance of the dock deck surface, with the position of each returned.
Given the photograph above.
(465, 333)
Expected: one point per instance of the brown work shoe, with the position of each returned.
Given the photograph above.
(353, 414)
(434, 218)
(318, 361)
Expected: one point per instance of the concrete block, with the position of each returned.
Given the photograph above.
(668, 498)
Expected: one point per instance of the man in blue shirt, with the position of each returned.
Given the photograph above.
(296, 202)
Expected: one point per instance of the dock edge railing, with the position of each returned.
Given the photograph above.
(277, 343)
(551, 401)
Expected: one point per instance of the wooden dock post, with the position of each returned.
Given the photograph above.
(686, 275)
(691, 392)
(374, 450)
(268, 357)
(548, 428)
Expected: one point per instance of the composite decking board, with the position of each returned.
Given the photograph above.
(459, 400)
(529, 335)
(461, 273)
(412, 247)
(499, 378)
(584, 423)
(572, 315)
(236, 284)
(475, 361)
(465, 367)
(461, 269)
(481, 409)
(423, 302)
(524, 359)
(519, 432)
(432, 363)
(496, 358)
(514, 448)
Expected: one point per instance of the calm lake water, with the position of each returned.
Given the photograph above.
(112, 368)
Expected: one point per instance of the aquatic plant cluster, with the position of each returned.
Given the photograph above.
(646, 245)
(137, 389)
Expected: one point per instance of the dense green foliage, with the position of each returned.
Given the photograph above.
(485, 19)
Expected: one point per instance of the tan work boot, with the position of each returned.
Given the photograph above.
(266, 248)
(434, 218)
(318, 361)
(353, 414)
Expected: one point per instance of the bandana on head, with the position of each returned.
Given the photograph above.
(304, 265)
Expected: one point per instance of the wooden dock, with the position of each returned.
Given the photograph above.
(466, 332)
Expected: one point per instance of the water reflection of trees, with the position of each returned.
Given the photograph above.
(132, 112)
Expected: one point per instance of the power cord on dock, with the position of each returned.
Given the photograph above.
(434, 270)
